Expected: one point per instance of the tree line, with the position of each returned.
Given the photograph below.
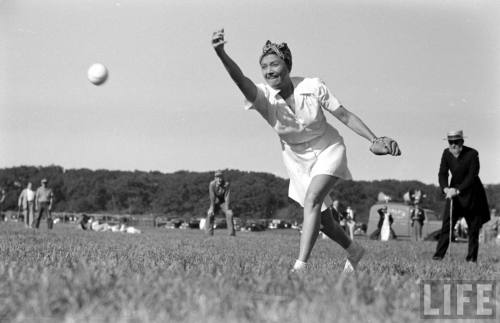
(254, 195)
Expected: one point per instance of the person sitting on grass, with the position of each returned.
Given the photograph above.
(90, 223)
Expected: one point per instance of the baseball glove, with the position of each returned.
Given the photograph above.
(385, 146)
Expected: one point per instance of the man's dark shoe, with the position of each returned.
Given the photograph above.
(437, 257)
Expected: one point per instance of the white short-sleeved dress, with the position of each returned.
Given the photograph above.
(310, 145)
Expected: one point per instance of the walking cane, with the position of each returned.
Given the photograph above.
(451, 225)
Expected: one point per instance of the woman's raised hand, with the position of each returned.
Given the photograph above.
(246, 86)
(218, 39)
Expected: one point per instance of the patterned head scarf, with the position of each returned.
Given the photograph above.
(281, 50)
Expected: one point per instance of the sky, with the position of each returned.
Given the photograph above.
(412, 70)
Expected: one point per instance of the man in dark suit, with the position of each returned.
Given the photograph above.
(466, 191)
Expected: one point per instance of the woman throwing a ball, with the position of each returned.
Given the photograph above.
(313, 151)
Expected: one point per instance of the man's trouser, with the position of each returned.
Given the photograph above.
(209, 223)
(473, 225)
(29, 214)
(417, 230)
(43, 207)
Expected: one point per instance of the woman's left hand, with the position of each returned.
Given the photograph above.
(385, 146)
(218, 39)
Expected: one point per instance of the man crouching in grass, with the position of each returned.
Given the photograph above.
(219, 193)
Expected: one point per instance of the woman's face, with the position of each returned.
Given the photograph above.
(274, 70)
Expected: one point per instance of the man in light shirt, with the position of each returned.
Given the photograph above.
(44, 199)
(219, 193)
(351, 223)
(2, 198)
(26, 201)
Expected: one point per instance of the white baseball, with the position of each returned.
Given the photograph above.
(97, 74)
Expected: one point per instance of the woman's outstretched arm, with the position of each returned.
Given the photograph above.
(246, 86)
(379, 146)
(354, 123)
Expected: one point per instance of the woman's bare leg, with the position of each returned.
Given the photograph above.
(316, 192)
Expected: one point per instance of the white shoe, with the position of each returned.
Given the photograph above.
(348, 268)
(299, 267)
(356, 252)
(297, 271)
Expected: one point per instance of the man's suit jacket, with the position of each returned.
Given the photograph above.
(465, 177)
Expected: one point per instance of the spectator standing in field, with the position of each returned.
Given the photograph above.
(417, 216)
(491, 229)
(313, 151)
(461, 229)
(336, 211)
(219, 193)
(466, 191)
(350, 221)
(385, 228)
(44, 199)
(2, 198)
(384, 224)
(26, 203)
(338, 215)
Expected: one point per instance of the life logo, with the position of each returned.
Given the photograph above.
(458, 299)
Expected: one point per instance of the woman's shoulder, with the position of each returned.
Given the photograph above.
(265, 89)
(300, 81)
(309, 85)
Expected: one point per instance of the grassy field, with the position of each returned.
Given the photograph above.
(161, 275)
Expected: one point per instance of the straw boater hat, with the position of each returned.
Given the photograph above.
(218, 174)
(455, 135)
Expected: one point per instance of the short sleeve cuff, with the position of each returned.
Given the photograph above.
(260, 100)
(333, 103)
(327, 99)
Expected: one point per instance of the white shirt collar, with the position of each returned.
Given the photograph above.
(301, 86)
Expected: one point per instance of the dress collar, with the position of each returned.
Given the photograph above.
(301, 85)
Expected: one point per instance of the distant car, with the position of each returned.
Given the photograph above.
(174, 223)
(193, 223)
(279, 224)
(402, 223)
(254, 226)
(238, 223)
(220, 224)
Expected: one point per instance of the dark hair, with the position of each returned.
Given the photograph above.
(281, 50)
